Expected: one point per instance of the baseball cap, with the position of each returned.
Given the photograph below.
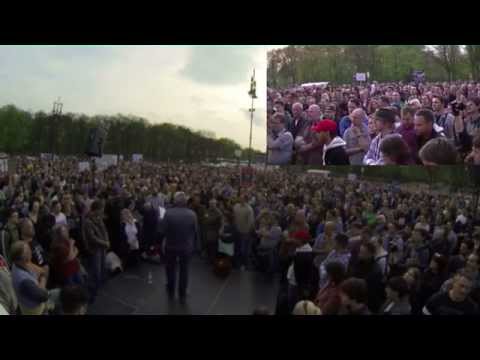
(325, 125)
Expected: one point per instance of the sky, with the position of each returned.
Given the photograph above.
(201, 87)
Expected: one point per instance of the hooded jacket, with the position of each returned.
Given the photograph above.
(334, 153)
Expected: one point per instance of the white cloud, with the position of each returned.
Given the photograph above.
(142, 80)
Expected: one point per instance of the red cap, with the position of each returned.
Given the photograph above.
(325, 125)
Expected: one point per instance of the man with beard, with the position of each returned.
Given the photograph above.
(424, 130)
(369, 270)
(406, 128)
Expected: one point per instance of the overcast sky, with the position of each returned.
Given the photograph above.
(202, 87)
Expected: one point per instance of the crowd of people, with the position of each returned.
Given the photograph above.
(337, 245)
(374, 124)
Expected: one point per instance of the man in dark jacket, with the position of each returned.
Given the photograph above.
(97, 241)
(181, 233)
(334, 152)
(369, 270)
(425, 131)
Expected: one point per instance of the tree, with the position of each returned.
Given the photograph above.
(449, 57)
(473, 54)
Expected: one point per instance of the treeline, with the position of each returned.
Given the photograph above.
(298, 64)
(23, 132)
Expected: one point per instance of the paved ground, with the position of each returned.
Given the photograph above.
(130, 293)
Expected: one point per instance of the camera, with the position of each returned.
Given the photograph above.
(457, 107)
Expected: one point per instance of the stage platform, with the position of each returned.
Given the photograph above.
(240, 293)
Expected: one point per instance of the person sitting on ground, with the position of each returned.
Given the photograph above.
(354, 297)
(334, 152)
(438, 151)
(74, 300)
(306, 307)
(398, 302)
(456, 301)
(29, 284)
(328, 297)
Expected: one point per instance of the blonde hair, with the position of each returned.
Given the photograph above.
(305, 307)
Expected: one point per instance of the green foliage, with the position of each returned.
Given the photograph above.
(24, 133)
(338, 63)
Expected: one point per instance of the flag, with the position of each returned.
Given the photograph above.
(253, 87)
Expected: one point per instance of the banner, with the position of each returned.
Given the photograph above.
(137, 157)
(83, 166)
(3, 165)
(106, 161)
(361, 77)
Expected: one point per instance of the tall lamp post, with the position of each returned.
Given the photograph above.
(253, 94)
(56, 113)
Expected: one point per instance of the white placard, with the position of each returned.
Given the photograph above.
(3, 165)
(106, 161)
(137, 157)
(361, 77)
(84, 165)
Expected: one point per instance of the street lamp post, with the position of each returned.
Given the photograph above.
(253, 94)
(56, 113)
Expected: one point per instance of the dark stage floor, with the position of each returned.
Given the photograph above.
(130, 293)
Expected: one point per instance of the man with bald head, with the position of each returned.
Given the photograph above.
(306, 145)
(299, 122)
(357, 137)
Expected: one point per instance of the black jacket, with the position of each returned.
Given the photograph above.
(372, 274)
(335, 153)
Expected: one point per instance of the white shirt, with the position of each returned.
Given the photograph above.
(131, 231)
(60, 219)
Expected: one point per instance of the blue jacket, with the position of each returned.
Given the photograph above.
(181, 229)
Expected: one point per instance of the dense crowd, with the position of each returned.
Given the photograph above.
(338, 246)
(375, 124)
